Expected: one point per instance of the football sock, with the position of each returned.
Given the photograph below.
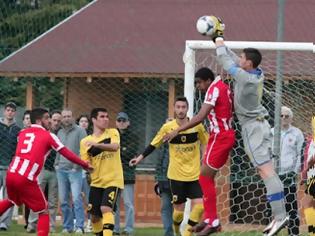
(209, 198)
(275, 196)
(97, 226)
(177, 220)
(43, 224)
(310, 220)
(5, 205)
(194, 218)
(108, 223)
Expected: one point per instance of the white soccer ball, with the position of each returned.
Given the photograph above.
(205, 25)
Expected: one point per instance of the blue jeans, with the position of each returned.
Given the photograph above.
(167, 213)
(70, 184)
(128, 197)
(6, 218)
(86, 191)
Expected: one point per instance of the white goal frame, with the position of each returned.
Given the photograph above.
(193, 45)
(190, 63)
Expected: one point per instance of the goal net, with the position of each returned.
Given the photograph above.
(289, 81)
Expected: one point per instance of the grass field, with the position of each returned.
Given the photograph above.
(18, 230)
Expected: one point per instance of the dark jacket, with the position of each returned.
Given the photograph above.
(8, 142)
(161, 170)
(50, 160)
(128, 150)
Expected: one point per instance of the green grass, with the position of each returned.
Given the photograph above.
(19, 230)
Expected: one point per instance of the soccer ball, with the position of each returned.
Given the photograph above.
(205, 25)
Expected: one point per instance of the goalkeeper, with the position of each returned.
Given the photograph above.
(256, 134)
(309, 165)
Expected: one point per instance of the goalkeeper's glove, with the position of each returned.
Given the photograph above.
(218, 28)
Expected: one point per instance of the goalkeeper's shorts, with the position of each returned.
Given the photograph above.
(310, 186)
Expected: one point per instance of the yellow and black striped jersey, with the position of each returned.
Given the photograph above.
(184, 151)
(107, 165)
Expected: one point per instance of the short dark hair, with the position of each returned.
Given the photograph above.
(205, 74)
(26, 112)
(95, 112)
(11, 105)
(182, 99)
(37, 114)
(55, 112)
(253, 55)
(81, 116)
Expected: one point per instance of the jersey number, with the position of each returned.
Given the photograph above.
(28, 141)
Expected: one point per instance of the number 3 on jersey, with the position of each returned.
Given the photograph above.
(28, 142)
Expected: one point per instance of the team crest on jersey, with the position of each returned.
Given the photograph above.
(89, 207)
(183, 138)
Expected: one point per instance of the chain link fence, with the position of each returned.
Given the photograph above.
(246, 196)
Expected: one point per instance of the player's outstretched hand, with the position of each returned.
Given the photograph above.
(219, 29)
(136, 160)
(168, 137)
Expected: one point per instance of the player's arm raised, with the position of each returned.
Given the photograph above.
(156, 142)
(197, 119)
(110, 147)
(113, 146)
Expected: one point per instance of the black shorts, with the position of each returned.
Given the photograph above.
(102, 197)
(182, 190)
(310, 187)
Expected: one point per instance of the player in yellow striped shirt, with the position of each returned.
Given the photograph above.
(184, 164)
(102, 150)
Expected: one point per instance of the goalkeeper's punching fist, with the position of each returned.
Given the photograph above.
(218, 28)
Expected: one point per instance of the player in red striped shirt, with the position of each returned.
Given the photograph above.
(218, 107)
(34, 145)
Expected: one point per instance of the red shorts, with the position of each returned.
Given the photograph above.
(218, 149)
(23, 191)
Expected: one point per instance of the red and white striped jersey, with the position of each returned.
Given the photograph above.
(220, 97)
(34, 145)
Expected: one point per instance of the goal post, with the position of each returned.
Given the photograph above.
(193, 45)
(239, 188)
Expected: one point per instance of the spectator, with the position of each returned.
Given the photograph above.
(27, 119)
(290, 165)
(163, 189)
(128, 147)
(69, 175)
(84, 122)
(8, 140)
(48, 180)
